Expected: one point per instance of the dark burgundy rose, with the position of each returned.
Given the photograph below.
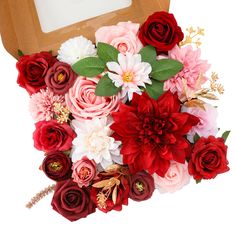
(161, 31)
(208, 158)
(71, 201)
(57, 166)
(53, 136)
(33, 69)
(60, 78)
(141, 186)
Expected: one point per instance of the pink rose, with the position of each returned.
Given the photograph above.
(175, 178)
(84, 104)
(84, 171)
(122, 36)
(207, 125)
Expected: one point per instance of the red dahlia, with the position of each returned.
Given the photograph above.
(152, 132)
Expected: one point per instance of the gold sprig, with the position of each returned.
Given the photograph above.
(193, 36)
(62, 113)
(215, 86)
(40, 196)
(192, 98)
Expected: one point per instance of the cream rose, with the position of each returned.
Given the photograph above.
(175, 178)
(122, 36)
(85, 105)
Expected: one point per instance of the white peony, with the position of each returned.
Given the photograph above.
(76, 49)
(94, 141)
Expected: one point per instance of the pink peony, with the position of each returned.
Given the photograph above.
(85, 105)
(207, 125)
(122, 36)
(42, 105)
(193, 68)
(175, 178)
(84, 171)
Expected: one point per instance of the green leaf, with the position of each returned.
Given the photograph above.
(89, 67)
(225, 135)
(107, 52)
(148, 54)
(20, 53)
(198, 181)
(105, 87)
(165, 69)
(196, 137)
(155, 90)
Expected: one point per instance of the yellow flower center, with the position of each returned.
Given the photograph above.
(139, 186)
(60, 77)
(128, 76)
(56, 166)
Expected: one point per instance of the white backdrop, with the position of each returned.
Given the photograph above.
(208, 208)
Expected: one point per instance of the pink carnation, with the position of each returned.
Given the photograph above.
(207, 125)
(85, 105)
(122, 36)
(175, 178)
(193, 68)
(42, 105)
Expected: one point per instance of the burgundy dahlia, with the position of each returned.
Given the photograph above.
(153, 132)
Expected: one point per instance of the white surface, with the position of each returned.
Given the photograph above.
(54, 14)
(198, 210)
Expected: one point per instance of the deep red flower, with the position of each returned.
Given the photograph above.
(161, 31)
(152, 132)
(71, 201)
(208, 158)
(33, 69)
(103, 195)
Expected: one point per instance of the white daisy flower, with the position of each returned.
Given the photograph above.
(76, 49)
(95, 142)
(129, 73)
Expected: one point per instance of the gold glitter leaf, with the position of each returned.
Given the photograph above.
(101, 184)
(193, 36)
(210, 96)
(114, 195)
(195, 103)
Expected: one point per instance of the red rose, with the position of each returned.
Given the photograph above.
(60, 78)
(161, 31)
(53, 136)
(57, 166)
(33, 69)
(153, 132)
(71, 201)
(141, 186)
(110, 193)
(208, 158)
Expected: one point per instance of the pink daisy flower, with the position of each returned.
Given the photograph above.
(42, 105)
(192, 69)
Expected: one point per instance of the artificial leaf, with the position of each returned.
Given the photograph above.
(20, 53)
(155, 90)
(165, 69)
(196, 137)
(195, 103)
(107, 53)
(210, 96)
(114, 195)
(198, 181)
(89, 67)
(225, 135)
(113, 168)
(101, 184)
(148, 54)
(105, 87)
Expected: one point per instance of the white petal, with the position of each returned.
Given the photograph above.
(116, 79)
(114, 67)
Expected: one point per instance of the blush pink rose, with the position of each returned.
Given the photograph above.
(84, 171)
(207, 125)
(193, 67)
(85, 105)
(175, 178)
(122, 36)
